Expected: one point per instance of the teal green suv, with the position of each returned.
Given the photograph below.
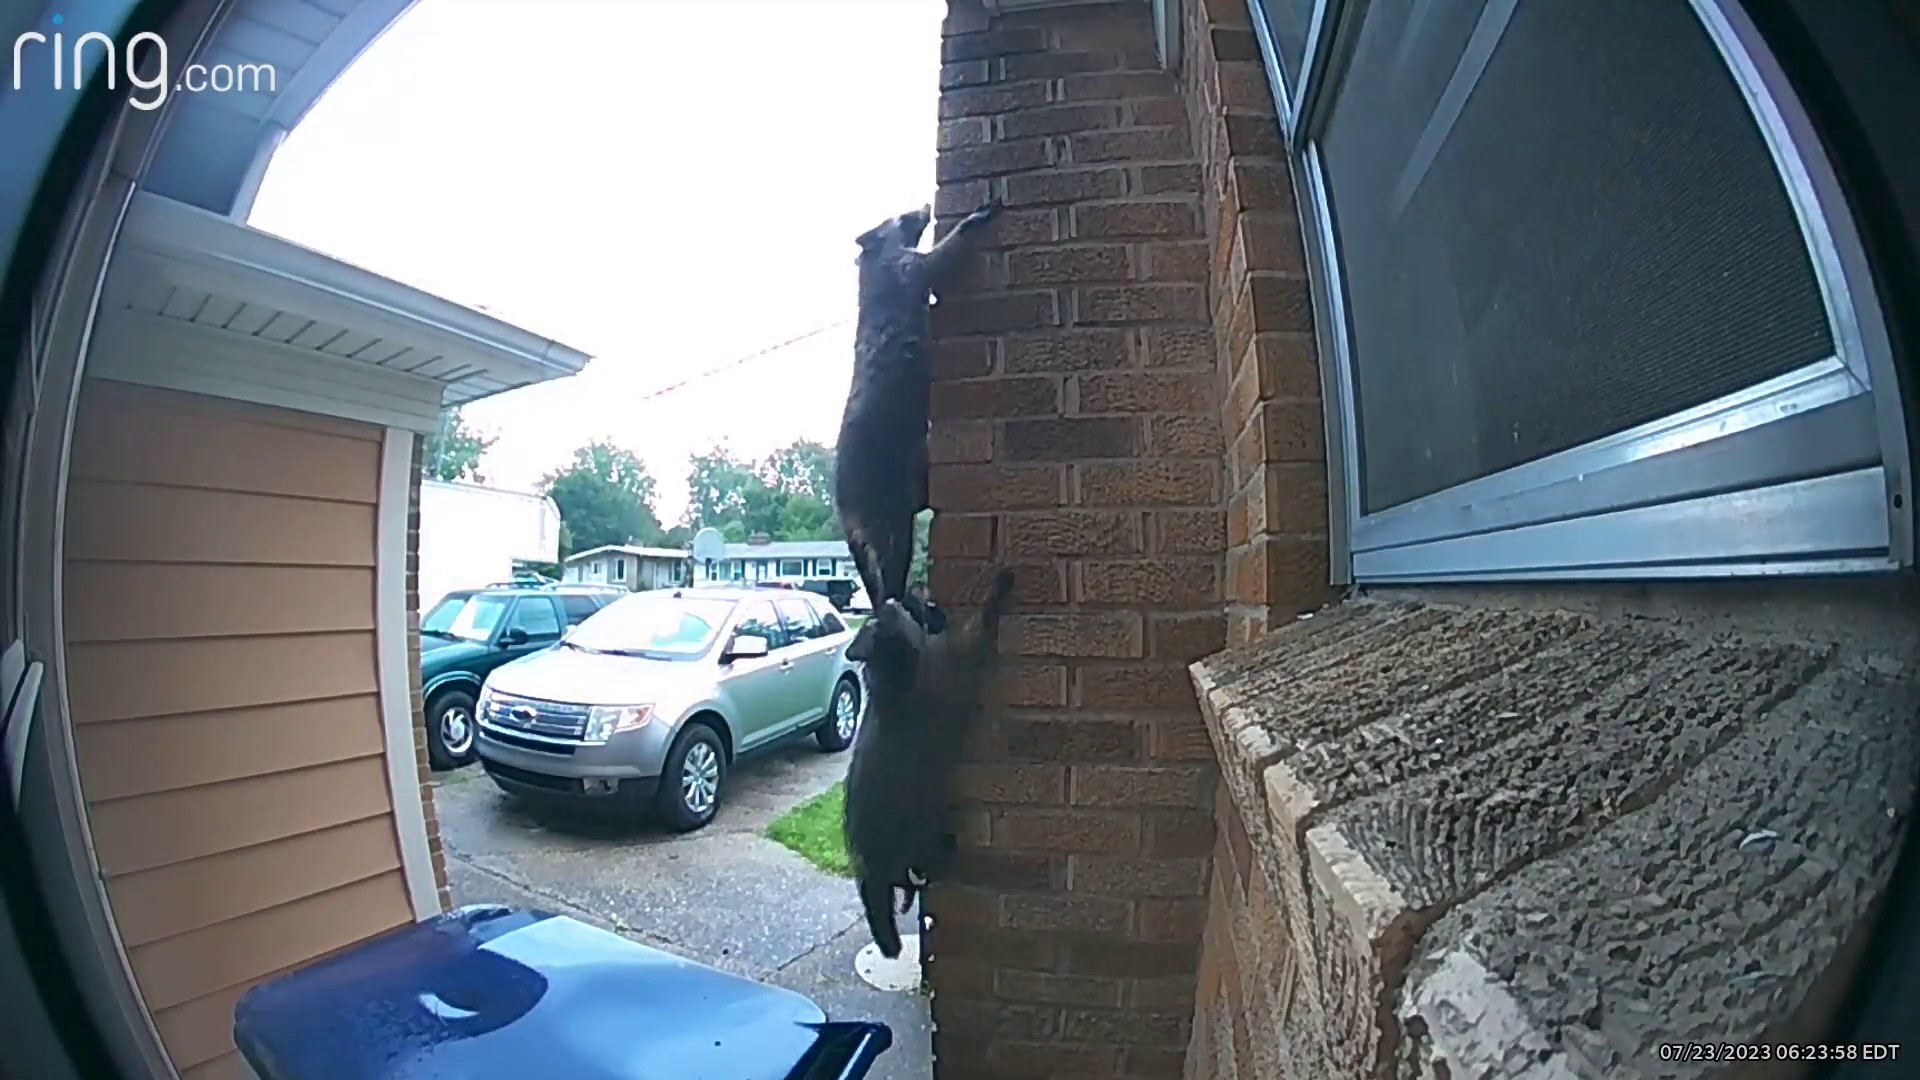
(472, 631)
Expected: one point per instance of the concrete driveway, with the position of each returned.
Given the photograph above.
(725, 895)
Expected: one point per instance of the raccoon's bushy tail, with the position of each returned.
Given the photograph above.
(877, 898)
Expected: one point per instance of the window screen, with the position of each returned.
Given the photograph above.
(1555, 222)
(1287, 21)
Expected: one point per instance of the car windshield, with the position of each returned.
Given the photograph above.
(469, 618)
(662, 627)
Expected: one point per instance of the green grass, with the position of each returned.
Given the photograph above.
(853, 621)
(812, 830)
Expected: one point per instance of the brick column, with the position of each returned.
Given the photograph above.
(1077, 439)
(418, 703)
(1268, 371)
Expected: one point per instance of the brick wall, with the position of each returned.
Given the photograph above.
(1267, 370)
(419, 705)
(1077, 438)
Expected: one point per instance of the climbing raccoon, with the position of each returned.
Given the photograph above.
(924, 692)
(880, 469)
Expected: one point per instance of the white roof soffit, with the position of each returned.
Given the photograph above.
(195, 296)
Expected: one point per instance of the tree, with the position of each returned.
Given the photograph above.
(788, 495)
(454, 451)
(605, 496)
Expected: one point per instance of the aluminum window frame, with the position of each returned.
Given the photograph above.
(1803, 474)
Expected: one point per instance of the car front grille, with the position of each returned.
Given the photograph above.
(554, 719)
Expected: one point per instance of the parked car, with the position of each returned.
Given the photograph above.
(837, 590)
(472, 631)
(648, 704)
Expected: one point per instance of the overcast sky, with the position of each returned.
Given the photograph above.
(666, 186)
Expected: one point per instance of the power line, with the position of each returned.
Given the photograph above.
(741, 360)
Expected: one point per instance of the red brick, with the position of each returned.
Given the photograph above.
(961, 535)
(1146, 391)
(954, 907)
(1172, 920)
(965, 73)
(1040, 986)
(1054, 266)
(1291, 500)
(1021, 784)
(960, 440)
(1255, 134)
(1229, 13)
(961, 197)
(1177, 262)
(1058, 120)
(1185, 436)
(1068, 830)
(1179, 737)
(1179, 346)
(1072, 532)
(962, 358)
(1179, 836)
(1069, 439)
(959, 977)
(1044, 737)
(1140, 303)
(1146, 220)
(1018, 1060)
(1183, 639)
(1281, 302)
(1065, 186)
(966, 131)
(966, 582)
(1289, 431)
(985, 100)
(1033, 396)
(1187, 532)
(1271, 239)
(1131, 144)
(995, 160)
(994, 1020)
(993, 314)
(1152, 483)
(1158, 112)
(1259, 185)
(1116, 1027)
(1118, 785)
(994, 487)
(1003, 948)
(1133, 686)
(1056, 63)
(1144, 1061)
(1065, 913)
(1125, 84)
(1164, 179)
(1150, 582)
(1066, 351)
(1132, 959)
(1285, 572)
(1030, 685)
(995, 869)
(1018, 228)
(1079, 634)
(1000, 42)
(1232, 44)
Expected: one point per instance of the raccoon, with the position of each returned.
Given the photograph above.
(924, 691)
(880, 468)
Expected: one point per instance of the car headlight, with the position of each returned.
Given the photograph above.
(606, 721)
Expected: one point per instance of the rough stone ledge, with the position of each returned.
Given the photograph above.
(1406, 771)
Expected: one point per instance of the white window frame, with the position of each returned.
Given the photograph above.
(1762, 482)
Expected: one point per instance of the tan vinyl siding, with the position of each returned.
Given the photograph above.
(219, 607)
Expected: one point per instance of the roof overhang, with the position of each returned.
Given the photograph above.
(624, 549)
(196, 301)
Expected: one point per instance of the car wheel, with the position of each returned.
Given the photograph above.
(843, 717)
(690, 781)
(450, 729)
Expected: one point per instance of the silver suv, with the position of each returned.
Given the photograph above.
(648, 702)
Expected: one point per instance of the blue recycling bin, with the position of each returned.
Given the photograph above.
(496, 993)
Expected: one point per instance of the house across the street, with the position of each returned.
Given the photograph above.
(762, 559)
(634, 568)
